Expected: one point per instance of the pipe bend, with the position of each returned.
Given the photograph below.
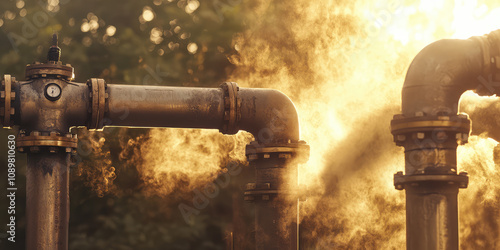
(269, 115)
(439, 75)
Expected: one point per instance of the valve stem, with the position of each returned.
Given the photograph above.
(54, 51)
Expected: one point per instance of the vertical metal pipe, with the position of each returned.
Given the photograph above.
(431, 217)
(47, 201)
(276, 215)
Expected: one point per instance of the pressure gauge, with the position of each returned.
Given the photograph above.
(52, 91)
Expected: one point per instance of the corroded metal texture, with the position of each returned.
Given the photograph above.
(48, 104)
(47, 201)
(430, 129)
(275, 193)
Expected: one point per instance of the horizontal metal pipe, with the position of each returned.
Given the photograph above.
(47, 201)
(153, 106)
(268, 114)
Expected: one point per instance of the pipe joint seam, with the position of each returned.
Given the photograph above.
(51, 142)
(232, 107)
(98, 103)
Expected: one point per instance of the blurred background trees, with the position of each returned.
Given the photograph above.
(150, 42)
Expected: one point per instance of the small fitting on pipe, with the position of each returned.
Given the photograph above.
(98, 103)
(232, 105)
(7, 98)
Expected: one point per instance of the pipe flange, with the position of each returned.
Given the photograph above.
(255, 151)
(232, 105)
(7, 98)
(50, 69)
(401, 181)
(98, 102)
(51, 141)
(263, 192)
(420, 126)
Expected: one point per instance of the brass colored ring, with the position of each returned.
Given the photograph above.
(8, 88)
(47, 141)
(420, 126)
(231, 108)
(102, 102)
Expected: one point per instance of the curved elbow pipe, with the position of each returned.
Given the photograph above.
(439, 75)
(445, 69)
(269, 115)
(430, 130)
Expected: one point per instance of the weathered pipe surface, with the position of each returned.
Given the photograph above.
(47, 201)
(268, 114)
(276, 225)
(435, 81)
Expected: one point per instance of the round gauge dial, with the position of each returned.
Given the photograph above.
(52, 91)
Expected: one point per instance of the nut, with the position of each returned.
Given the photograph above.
(420, 136)
(34, 149)
(249, 198)
(250, 186)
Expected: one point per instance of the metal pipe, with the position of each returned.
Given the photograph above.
(48, 104)
(153, 106)
(268, 114)
(430, 130)
(47, 201)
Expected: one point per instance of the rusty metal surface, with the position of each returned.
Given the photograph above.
(232, 105)
(268, 114)
(430, 130)
(43, 70)
(98, 102)
(69, 142)
(47, 201)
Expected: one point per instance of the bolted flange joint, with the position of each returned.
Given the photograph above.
(299, 151)
(52, 142)
(232, 105)
(266, 192)
(437, 128)
(401, 181)
(7, 98)
(98, 103)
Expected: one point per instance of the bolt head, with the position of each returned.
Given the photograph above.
(420, 136)
(419, 114)
(401, 138)
(249, 198)
(250, 186)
